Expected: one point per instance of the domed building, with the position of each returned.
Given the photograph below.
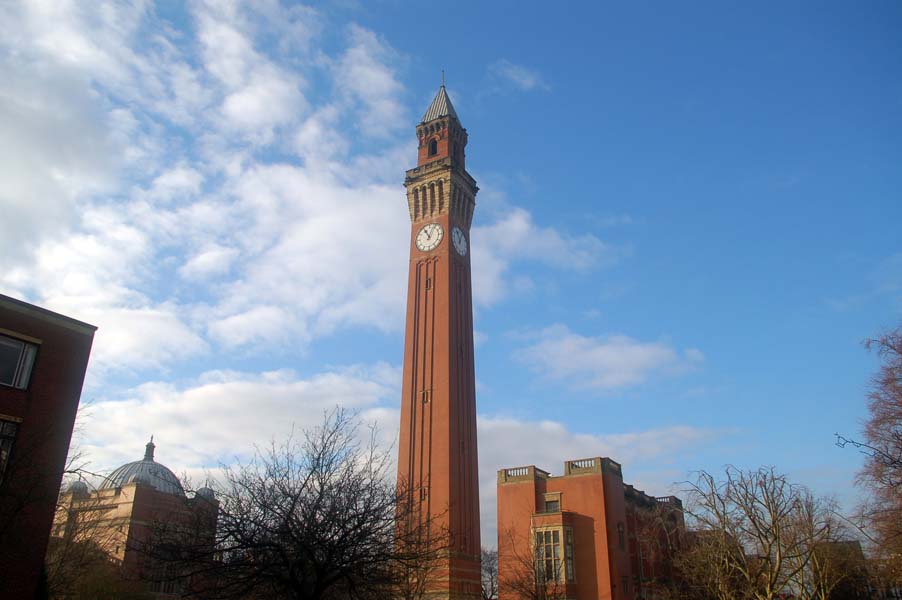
(139, 503)
(147, 472)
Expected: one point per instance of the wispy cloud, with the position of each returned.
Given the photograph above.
(518, 76)
(219, 415)
(514, 237)
(603, 363)
(187, 192)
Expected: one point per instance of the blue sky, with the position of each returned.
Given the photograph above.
(688, 220)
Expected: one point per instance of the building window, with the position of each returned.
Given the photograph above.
(568, 554)
(620, 537)
(8, 431)
(16, 361)
(552, 502)
(554, 554)
(433, 147)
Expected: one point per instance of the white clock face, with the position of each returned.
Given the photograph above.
(429, 237)
(460, 241)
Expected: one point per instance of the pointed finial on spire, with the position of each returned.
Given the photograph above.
(148, 450)
(443, 78)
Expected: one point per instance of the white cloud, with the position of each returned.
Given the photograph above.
(180, 180)
(56, 149)
(519, 76)
(149, 337)
(211, 260)
(603, 363)
(318, 141)
(258, 324)
(363, 74)
(516, 237)
(97, 239)
(258, 95)
(149, 203)
(221, 415)
(267, 100)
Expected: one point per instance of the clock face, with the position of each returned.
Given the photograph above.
(429, 237)
(460, 241)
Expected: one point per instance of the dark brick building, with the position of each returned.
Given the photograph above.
(43, 357)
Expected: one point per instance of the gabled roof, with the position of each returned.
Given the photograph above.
(441, 107)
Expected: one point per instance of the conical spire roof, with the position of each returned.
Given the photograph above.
(441, 107)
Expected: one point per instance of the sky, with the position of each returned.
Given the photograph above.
(688, 221)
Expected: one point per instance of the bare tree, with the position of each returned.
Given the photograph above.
(311, 518)
(660, 534)
(82, 570)
(489, 574)
(78, 561)
(756, 536)
(832, 564)
(529, 572)
(420, 553)
(82, 558)
(882, 445)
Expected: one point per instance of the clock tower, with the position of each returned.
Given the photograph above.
(437, 461)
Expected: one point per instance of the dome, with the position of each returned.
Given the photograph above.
(146, 472)
(206, 493)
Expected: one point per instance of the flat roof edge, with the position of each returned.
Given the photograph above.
(37, 312)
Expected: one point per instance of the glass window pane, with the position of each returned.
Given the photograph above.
(26, 364)
(556, 535)
(10, 351)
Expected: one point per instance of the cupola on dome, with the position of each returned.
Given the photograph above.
(146, 472)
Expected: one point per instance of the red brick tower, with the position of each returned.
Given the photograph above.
(437, 450)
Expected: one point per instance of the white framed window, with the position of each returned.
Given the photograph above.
(554, 554)
(16, 361)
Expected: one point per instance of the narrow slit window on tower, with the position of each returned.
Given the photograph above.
(433, 147)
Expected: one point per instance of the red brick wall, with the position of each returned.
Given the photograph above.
(47, 411)
(592, 505)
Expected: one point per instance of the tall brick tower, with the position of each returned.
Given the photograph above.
(437, 462)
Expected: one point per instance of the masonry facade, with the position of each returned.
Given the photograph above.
(437, 456)
(138, 509)
(584, 534)
(43, 357)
